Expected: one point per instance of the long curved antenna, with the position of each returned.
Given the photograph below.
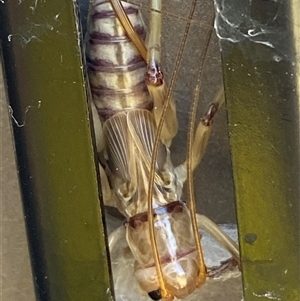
(134, 37)
(153, 56)
(190, 182)
(168, 13)
(165, 294)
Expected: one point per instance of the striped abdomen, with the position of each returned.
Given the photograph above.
(116, 70)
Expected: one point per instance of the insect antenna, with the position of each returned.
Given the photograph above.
(155, 10)
(168, 13)
(165, 294)
(190, 181)
(134, 37)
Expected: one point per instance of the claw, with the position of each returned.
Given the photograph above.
(225, 266)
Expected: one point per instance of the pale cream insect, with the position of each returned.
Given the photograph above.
(136, 127)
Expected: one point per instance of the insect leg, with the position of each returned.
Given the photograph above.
(100, 144)
(115, 236)
(154, 76)
(107, 194)
(204, 129)
(222, 238)
(196, 146)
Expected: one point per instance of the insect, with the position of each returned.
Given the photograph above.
(135, 122)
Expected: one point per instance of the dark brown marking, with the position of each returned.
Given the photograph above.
(104, 38)
(99, 65)
(109, 112)
(104, 91)
(154, 75)
(110, 13)
(140, 218)
(208, 117)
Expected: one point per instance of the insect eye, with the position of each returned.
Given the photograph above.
(155, 295)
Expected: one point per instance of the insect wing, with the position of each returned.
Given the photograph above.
(120, 149)
(143, 130)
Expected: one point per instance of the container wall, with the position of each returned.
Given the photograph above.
(260, 52)
(49, 112)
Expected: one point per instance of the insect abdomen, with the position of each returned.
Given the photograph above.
(116, 69)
